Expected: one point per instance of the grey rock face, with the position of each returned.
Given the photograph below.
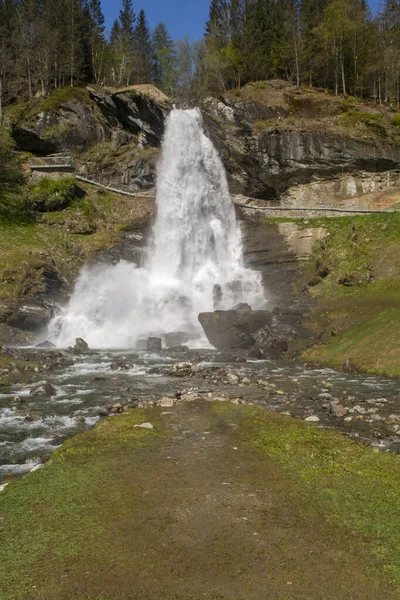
(264, 164)
(73, 126)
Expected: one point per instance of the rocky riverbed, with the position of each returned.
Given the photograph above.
(49, 395)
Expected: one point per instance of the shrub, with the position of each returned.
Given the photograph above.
(54, 194)
(396, 120)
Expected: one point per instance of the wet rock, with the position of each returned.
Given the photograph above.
(103, 412)
(154, 344)
(183, 369)
(256, 354)
(81, 347)
(176, 339)
(325, 396)
(177, 350)
(349, 366)
(45, 344)
(312, 419)
(43, 389)
(117, 408)
(394, 419)
(242, 306)
(337, 410)
(80, 420)
(18, 400)
(166, 402)
(232, 379)
(30, 418)
(232, 329)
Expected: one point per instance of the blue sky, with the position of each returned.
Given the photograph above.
(182, 17)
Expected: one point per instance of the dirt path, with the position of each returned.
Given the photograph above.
(195, 514)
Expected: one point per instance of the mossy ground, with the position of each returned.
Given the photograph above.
(355, 279)
(306, 109)
(67, 237)
(218, 501)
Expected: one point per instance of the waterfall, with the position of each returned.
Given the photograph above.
(195, 258)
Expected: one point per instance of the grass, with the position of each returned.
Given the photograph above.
(355, 274)
(26, 110)
(84, 522)
(356, 487)
(68, 237)
(52, 515)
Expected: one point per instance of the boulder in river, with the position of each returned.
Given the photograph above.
(45, 344)
(261, 332)
(233, 329)
(81, 347)
(154, 344)
(43, 389)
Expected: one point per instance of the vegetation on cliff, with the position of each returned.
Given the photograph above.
(354, 275)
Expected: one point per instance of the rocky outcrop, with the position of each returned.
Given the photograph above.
(40, 290)
(135, 114)
(269, 333)
(266, 149)
(137, 109)
(73, 126)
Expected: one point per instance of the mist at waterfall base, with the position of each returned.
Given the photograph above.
(194, 262)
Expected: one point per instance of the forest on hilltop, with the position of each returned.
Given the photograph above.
(337, 45)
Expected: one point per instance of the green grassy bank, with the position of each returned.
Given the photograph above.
(354, 277)
(123, 512)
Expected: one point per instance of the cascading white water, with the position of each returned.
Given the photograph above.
(194, 262)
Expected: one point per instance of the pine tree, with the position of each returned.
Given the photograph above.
(217, 27)
(143, 49)
(122, 45)
(97, 41)
(164, 58)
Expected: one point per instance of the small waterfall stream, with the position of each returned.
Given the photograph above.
(194, 263)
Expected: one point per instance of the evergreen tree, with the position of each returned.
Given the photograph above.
(97, 41)
(164, 58)
(143, 51)
(122, 45)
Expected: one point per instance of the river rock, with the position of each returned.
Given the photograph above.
(81, 347)
(154, 344)
(45, 344)
(337, 410)
(231, 329)
(166, 402)
(312, 419)
(145, 426)
(232, 379)
(43, 389)
(183, 369)
(176, 339)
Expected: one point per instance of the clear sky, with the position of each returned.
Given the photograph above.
(182, 17)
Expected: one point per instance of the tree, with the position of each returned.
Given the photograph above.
(122, 45)
(143, 51)
(8, 50)
(97, 41)
(164, 58)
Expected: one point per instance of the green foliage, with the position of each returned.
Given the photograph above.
(355, 486)
(11, 178)
(54, 194)
(58, 97)
(396, 120)
(358, 291)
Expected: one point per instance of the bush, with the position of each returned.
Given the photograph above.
(54, 194)
(396, 120)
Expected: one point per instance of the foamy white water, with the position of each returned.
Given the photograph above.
(195, 259)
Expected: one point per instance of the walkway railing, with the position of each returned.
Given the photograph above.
(64, 161)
